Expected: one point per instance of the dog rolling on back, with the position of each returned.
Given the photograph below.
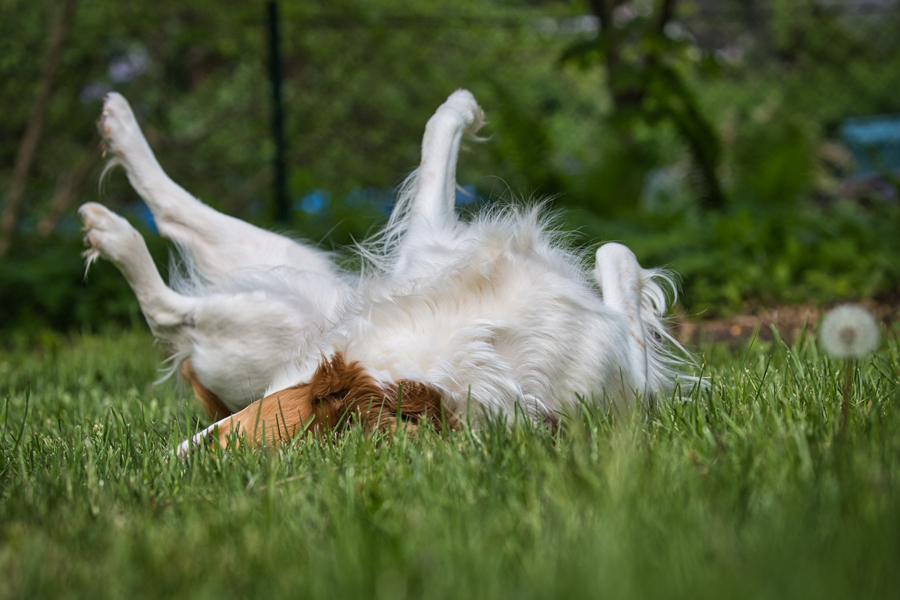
(451, 320)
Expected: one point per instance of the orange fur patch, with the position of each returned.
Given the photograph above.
(337, 395)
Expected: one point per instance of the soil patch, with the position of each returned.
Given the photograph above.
(789, 321)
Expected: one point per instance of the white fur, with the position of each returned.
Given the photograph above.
(495, 313)
(252, 300)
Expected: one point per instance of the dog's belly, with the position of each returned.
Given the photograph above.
(524, 333)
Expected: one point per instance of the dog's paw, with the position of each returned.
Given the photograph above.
(185, 448)
(204, 438)
(464, 103)
(120, 130)
(106, 234)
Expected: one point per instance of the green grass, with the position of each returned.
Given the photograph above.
(746, 491)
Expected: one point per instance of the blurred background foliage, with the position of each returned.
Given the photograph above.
(710, 136)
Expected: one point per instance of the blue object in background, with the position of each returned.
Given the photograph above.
(874, 142)
(317, 202)
(314, 202)
(465, 194)
(142, 213)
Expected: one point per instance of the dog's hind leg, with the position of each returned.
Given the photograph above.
(217, 243)
(428, 214)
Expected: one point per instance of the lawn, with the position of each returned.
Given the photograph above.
(746, 490)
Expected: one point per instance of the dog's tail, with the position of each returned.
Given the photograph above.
(642, 295)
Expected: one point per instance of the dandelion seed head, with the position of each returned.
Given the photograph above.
(849, 332)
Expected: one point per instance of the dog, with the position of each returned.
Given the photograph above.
(449, 321)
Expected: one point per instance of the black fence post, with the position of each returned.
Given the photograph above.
(282, 212)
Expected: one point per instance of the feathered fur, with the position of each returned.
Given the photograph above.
(448, 320)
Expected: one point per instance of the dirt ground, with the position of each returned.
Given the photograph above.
(789, 321)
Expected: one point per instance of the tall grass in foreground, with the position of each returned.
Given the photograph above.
(745, 491)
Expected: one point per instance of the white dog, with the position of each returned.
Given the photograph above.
(450, 320)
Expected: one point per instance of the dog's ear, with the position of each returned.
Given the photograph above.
(329, 400)
(344, 392)
(338, 394)
(333, 376)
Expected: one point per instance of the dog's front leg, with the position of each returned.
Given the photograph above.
(430, 214)
(435, 196)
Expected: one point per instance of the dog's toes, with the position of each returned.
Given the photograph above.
(117, 124)
(95, 215)
(204, 438)
(106, 234)
(463, 102)
(93, 250)
(184, 448)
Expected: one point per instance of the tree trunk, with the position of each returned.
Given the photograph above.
(629, 93)
(29, 143)
(66, 189)
(603, 10)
